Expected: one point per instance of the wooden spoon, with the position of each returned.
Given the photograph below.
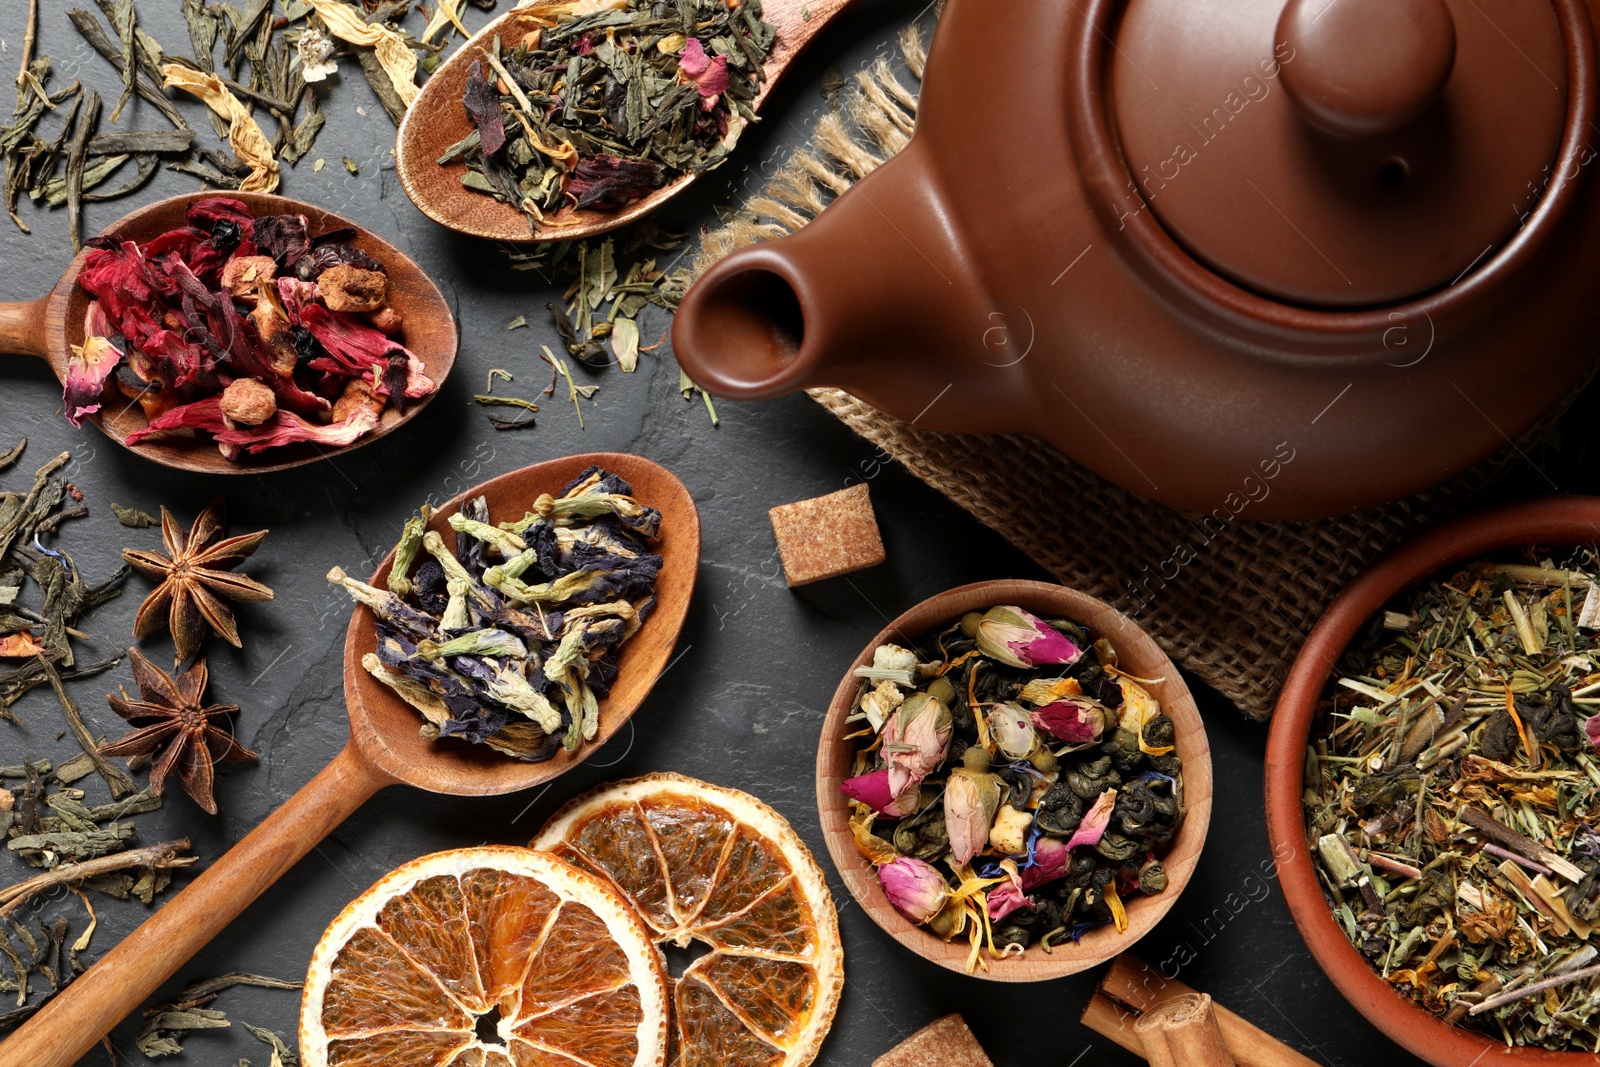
(438, 120)
(385, 748)
(50, 326)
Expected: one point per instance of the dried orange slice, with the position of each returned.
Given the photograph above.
(486, 957)
(716, 866)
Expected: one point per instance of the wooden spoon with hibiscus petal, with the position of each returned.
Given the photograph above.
(438, 120)
(50, 326)
(385, 748)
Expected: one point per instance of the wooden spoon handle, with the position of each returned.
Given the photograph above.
(22, 329)
(69, 1025)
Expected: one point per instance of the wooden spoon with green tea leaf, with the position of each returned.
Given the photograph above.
(50, 326)
(438, 120)
(385, 748)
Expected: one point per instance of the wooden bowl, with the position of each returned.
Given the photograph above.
(1554, 521)
(1138, 655)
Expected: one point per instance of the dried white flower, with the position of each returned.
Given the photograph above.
(315, 50)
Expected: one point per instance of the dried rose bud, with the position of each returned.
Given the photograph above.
(1093, 826)
(243, 276)
(916, 739)
(1019, 638)
(872, 789)
(1072, 722)
(970, 803)
(1591, 730)
(915, 888)
(248, 402)
(1013, 731)
(350, 288)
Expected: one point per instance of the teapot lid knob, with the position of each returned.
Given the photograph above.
(1366, 67)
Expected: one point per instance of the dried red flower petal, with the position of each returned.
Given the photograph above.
(287, 428)
(607, 182)
(709, 74)
(482, 101)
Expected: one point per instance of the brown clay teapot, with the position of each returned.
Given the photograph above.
(1246, 259)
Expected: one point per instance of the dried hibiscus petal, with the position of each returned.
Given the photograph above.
(201, 415)
(356, 348)
(482, 101)
(287, 428)
(607, 182)
(283, 237)
(208, 213)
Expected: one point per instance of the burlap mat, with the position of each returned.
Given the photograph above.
(1237, 613)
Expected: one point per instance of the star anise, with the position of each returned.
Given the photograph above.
(174, 728)
(195, 576)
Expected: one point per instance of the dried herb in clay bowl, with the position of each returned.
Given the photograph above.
(1433, 789)
(1014, 781)
(508, 634)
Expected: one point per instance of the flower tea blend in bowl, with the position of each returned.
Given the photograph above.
(247, 328)
(509, 634)
(1433, 789)
(1013, 771)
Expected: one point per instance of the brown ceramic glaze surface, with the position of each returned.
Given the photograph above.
(1025, 287)
(1554, 522)
(437, 120)
(1363, 67)
(1138, 655)
(385, 748)
(50, 326)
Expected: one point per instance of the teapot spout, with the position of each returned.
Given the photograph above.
(847, 301)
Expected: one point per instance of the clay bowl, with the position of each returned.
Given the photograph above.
(1139, 655)
(437, 120)
(49, 326)
(1554, 521)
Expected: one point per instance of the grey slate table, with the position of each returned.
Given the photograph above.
(758, 662)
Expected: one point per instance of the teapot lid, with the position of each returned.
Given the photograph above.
(1339, 152)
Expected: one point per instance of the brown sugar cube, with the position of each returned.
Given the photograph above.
(945, 1043)
(827, 536)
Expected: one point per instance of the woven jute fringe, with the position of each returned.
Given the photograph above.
(1230, 601)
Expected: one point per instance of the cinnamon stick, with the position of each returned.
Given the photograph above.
(1132, 987)
(1189, 1026)
(1110, 1020)
(1152, 1041)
